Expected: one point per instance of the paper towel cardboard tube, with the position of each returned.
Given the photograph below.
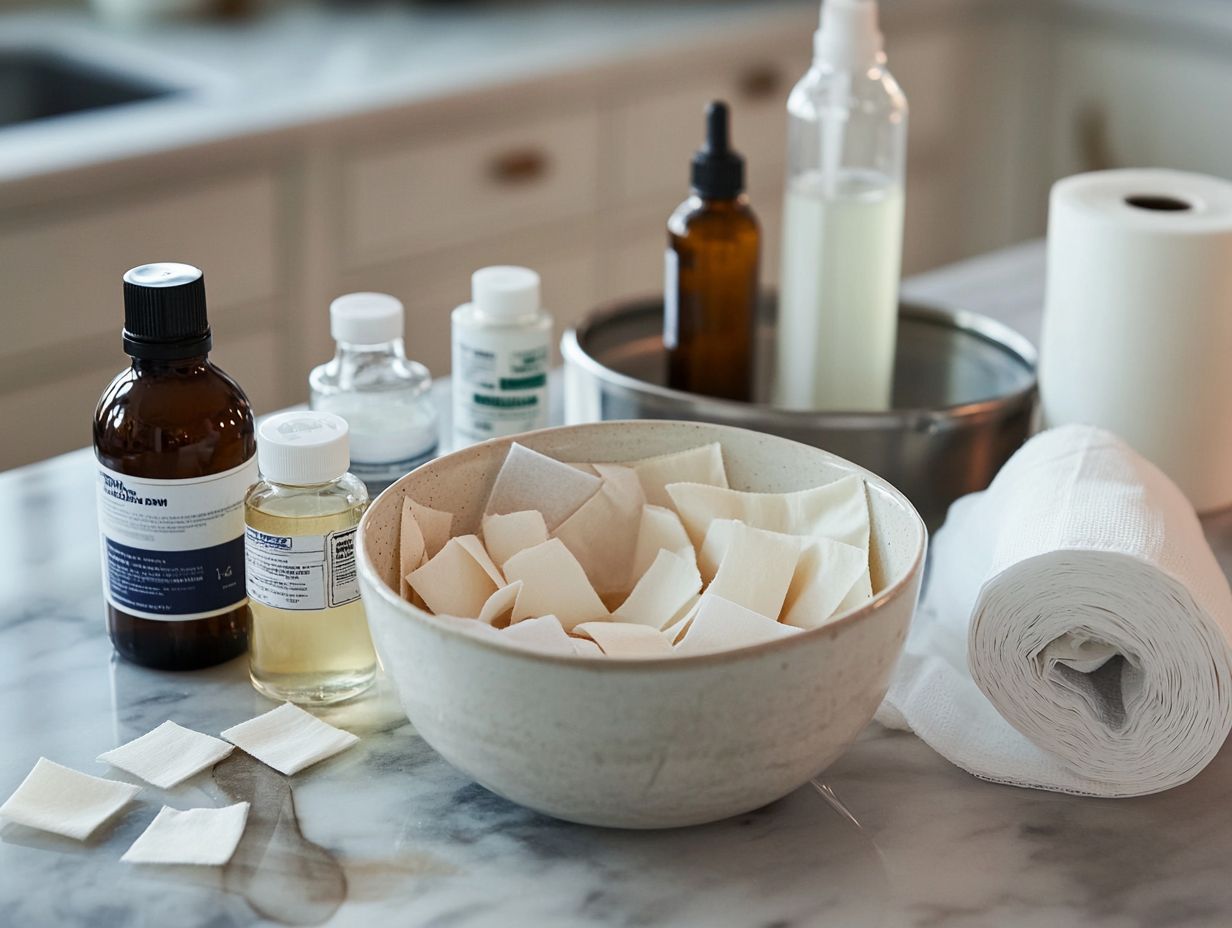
(1138, 319)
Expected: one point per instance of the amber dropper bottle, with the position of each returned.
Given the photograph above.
(713, 253)
(176, 452)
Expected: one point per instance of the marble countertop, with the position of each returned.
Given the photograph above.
(388, 833)
(307, 64)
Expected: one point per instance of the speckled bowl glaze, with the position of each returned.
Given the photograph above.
(642, 743)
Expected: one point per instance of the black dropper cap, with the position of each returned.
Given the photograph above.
(164, 312)
(718, 172)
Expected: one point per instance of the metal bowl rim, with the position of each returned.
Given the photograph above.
(981, 326)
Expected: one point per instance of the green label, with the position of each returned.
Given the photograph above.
(505, 402)
(524, 383)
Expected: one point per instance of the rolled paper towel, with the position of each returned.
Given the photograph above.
(1138, 319)
(1075, 633)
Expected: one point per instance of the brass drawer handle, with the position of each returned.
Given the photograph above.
(760, 82)
(519, 166)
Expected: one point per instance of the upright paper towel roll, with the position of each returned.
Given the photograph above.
(1138, 319)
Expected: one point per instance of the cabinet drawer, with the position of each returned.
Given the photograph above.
(62, 275)
(655, 137)
(420, 196)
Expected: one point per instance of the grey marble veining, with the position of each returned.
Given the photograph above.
(891, 835)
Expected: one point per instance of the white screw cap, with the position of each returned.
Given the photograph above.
(366, 318)
(849, 37)
(505, 292)
(302, 448)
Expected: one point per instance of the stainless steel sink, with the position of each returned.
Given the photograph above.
(40, 83)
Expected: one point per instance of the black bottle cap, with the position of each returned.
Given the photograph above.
(164, 312)
(718, 172)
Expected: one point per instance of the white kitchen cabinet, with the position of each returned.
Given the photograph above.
(65, 263)
(1133, 97)
(421, 195)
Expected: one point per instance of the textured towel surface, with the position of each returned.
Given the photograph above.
(1075, 631)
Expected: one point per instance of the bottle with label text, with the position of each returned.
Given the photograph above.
(309, 641)
(385, 398)
(502, 346)
(175, 448)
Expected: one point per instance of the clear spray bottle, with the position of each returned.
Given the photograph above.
(843, 220)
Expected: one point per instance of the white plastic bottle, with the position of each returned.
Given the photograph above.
(843, 220)
(502, 346)
(385, 399)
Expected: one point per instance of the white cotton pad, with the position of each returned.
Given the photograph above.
(697, 465)
(289, 739)
(830, 577)
(837, 510)
(167, 755)
(584, 647)
(660, 529)
(205, 837)
(668, 586)
(435, 526)
(827, 574)
(455, 582)
(858, 595)
(721, 625)
(472, 627)
(718, 535)
(412, 548)
(625, 639)
(675, 631)
(544, 634)
(553, 583)
(474, 547)
(506, 535)
(530, 480)
(64, 801)
(602, 534)
(756, 570)
(500, 604)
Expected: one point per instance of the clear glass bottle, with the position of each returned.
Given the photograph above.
(843, 220)
(385, 399)
(309, 641)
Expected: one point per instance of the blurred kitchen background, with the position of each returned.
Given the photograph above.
(299, 150)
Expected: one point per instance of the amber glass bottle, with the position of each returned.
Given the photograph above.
(711, 290)
(174, 441)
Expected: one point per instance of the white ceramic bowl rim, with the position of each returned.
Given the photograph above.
(657, 663)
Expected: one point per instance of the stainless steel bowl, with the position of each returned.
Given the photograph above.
(964, 395)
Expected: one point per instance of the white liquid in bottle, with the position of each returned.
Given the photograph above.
(838, 300)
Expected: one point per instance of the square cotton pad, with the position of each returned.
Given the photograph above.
(65, 802)
(167, 755)
(289, 739)
(207, 837)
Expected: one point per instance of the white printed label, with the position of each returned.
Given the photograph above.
(500, 384)
(301, 573)
(173, 549)
(671, 299)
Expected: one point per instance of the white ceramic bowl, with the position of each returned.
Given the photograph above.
(642, 743)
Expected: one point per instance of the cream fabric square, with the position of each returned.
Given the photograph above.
(64, 801)
(289, 739)
(206, 837)
(168, 755)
